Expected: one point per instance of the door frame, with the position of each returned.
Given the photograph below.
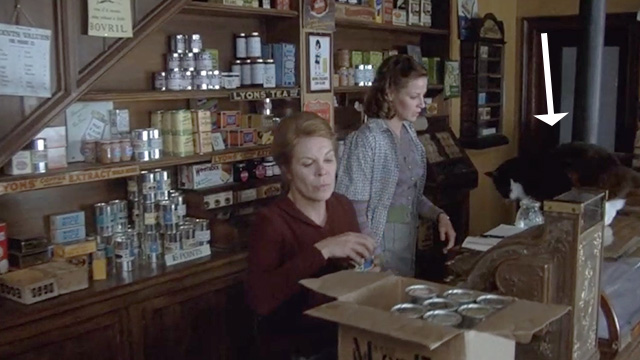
(537, 135)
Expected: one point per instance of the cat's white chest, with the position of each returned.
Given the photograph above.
(517, 191)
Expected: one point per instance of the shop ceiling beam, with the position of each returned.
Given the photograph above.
(31, 125)
(586, 106)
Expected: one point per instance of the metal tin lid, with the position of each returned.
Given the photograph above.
(269, 61)
(440, 304)
(258, 61)
(460, 295)
(475, 311)
(443, 317)
(247, 61)
(202, 72)
(237, 62)
(188, 54)
(495, 301)
(241, 35)
(255, 33)
(39, 144)
(421, 291)
(409, 310)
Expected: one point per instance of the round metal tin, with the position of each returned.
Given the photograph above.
(461, 296)
(421, 293)
(409, 310)
(443, 317)
(495, 301)
(440, 304)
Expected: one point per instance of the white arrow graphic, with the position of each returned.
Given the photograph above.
(551, 118)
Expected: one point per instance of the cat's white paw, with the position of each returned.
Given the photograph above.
(608, 236)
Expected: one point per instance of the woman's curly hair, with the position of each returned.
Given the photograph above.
(393, 74)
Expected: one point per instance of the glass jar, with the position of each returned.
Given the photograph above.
(529, 214)
(126, 150)
(116, 152)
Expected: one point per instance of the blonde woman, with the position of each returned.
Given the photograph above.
(310, 232)
(383, 168)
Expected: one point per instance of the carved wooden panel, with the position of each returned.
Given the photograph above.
(100, 338)
(202, 322)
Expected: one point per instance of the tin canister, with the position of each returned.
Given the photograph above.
(236, 66)
(140, 139)
(152, 247)
(177, 198)
(148, 183)
(418, 294)
(437, 303)
(215, 79)
(173, 61)
(136, 251)
(149, 214)
(409, 310)
(178, 43)
(155, 143)
(202, 232)
(163, 181)
(269, 79)
(119, 215)
(123, 250)
(245, 75)
(132, 189)
(241, 46)
(360, 75)
(188, 236)
(495, 301)
(194, 43)
(201, 80)
(254, 45)
(343, 59)
(174, 79)
(172, 242)
(187, 80)
(461, 296)
(188, 61)
(160, 80)
(136, 215)
(168, 219)
(204, 61)
(39, 157)
(257, 72)
(103, 216)
(443, 318)
(473, 314)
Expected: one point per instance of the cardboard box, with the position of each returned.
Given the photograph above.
(66, 220)
(65, 251)
(199, 176)
(284, 56)
(355, 12)
(28, 286)
(362, 310)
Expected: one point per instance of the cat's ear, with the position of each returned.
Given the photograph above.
(490, 174)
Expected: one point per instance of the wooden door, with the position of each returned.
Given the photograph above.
(564, 32)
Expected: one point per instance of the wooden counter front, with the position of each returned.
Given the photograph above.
(189, 311)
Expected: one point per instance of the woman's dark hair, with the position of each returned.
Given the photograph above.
(394, 74)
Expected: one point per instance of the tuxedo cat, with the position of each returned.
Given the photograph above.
(569, 165)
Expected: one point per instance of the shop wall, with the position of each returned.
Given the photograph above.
(488, 208)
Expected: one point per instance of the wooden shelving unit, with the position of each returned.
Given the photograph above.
(155, 95)
(361, 89)
(55, 178)
(369, 25)
(213, 9)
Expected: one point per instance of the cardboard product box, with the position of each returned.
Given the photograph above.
(284, 56)
(414, 12)
(56, 136)
(229, 119)
(57, 158)
(69, 277)
(65, 251)
(369, 330)
(355, 12)
(242, 137)
(19, 164)
(68, 235)
(66, 220)
(28, 286)
(387, 11)
(199, 176)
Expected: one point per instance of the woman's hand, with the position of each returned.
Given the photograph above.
(357, 247)
(446, 231)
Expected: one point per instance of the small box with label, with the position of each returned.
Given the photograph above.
(246, 195)
(68, 235)
(242, 137)
(199, 176)
(65, 221)
(19, 164)
(284, 56)
(229, 119)
(218, 200)
(65, 251)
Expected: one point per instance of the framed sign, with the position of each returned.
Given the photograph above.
(319, 62)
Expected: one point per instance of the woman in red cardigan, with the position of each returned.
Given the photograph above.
(310, 232)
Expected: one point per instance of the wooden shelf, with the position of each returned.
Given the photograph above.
(77, 173)
(213, 9)
(370, 25)
(156, 95)
(361, 89)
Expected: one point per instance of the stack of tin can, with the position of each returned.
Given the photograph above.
(159, 214)
(112, 229)
(147, 144)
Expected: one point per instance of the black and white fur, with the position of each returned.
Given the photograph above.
(570, 165)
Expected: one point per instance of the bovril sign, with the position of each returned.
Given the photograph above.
(244, 95)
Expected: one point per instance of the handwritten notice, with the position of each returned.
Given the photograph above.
(77, 177)
(109, 18)
(86, 120)
(25, 61)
